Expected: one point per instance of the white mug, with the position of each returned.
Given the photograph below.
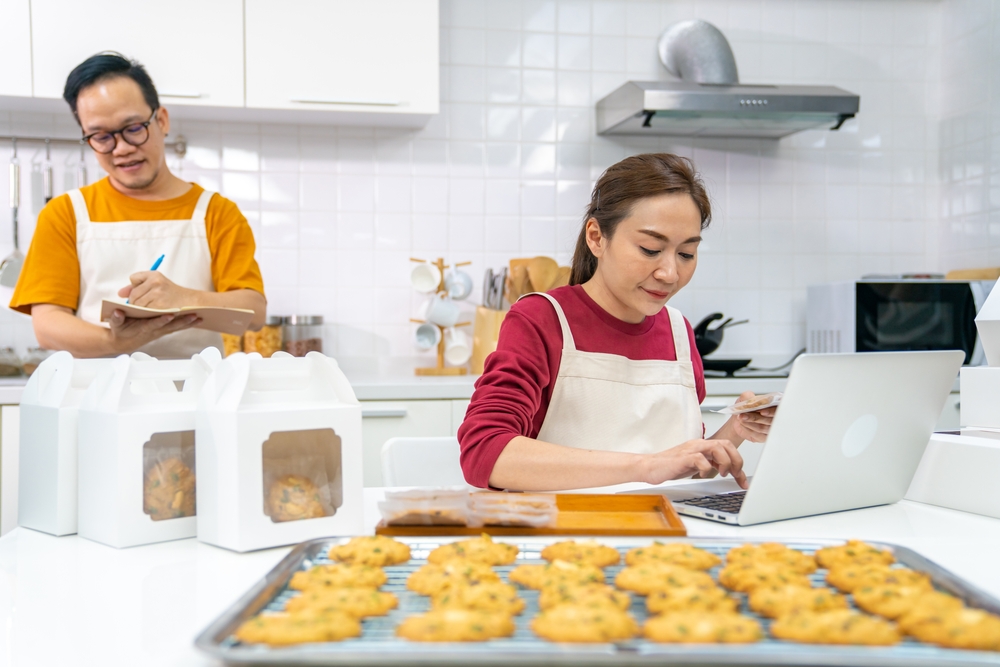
(459, 284)
(441, 311)
(427, 336)
(425, 277)
(457, 347)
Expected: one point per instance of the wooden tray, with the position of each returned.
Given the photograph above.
(579, 514)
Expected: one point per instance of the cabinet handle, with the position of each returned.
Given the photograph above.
(383, 412)
(188, 96)
(367, 103)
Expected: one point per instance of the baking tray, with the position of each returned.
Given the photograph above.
(378, 644)
(609, 515)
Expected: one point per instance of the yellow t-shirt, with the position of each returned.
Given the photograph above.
(51, 271)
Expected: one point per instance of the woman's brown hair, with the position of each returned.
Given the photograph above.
(625, 183)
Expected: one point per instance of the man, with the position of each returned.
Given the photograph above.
(99, 242)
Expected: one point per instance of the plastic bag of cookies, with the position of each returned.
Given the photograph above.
(536, 510)
(446, 506)
(168, 489)
(296, 488)
(758, 402)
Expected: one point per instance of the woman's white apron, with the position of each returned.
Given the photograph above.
(110, 252)
(609, 402)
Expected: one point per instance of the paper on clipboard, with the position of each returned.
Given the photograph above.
(213, 318)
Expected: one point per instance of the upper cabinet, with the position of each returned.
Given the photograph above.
(15, 48)
(192, 49)
(345, 55)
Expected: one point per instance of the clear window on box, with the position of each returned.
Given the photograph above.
(168, 476)
(303, 477)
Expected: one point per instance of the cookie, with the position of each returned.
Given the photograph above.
(481, 549)
(292, 498)
(576, 623)
(360, 602)
(776, 601)
(492, 596)
(773, 552)
(555, 573)
(927, 607)
(650, 576)
(855, 551)
(842, 626)
(376, 550)
(959, 628)
(433, 577)
(593, 595)
(338, 576)
(892, 600)
(168, 491)
(582, 552)
(703, 627)
(849, 577)
(746, 576)
(691, 598)
(284, 629)
(455, 625)
(680, 554)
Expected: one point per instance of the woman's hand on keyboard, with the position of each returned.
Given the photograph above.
(702, 457)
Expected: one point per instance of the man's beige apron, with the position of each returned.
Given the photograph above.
(110, 252)
(609, 402)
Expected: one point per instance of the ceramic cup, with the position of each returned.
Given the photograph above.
(425, 277)
(458, 284)
(441, 311)
(427, 337)
(457, 347)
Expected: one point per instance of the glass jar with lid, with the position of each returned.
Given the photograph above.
(303, 334)
(268, 340)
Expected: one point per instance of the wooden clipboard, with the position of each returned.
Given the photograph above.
(213, 318)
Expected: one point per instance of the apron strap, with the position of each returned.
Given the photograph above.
(79, 207)
(202, 206)
(682, 348)
(568, 342)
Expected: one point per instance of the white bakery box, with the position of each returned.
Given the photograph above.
(47, 486)
(279, 452)
(137, 465)
(960, 470)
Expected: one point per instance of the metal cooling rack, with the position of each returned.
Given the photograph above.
(379, 645)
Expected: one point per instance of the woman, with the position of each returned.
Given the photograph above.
(599, 383)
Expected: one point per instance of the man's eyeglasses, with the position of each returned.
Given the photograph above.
(135, 134)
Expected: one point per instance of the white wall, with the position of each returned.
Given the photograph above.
(506, 168)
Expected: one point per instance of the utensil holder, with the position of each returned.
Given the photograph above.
(485, 334)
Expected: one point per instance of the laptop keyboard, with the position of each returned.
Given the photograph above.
(723, 502)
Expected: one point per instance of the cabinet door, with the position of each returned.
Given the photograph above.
(193, 50)
(381, 420)
(344, 55)
(15, 48)
(458, 409)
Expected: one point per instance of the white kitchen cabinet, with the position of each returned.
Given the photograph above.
(458, 409)
(378, 56)
(193, 50)
(10, 432)
(381, 420)
(15, 48)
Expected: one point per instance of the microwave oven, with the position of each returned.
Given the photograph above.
(896, 315)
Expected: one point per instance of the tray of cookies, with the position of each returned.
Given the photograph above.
(376, 600)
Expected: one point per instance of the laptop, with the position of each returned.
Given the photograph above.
(849, 433)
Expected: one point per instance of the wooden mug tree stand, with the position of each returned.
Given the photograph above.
(440, 368)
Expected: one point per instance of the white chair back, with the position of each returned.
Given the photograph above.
(421, 462)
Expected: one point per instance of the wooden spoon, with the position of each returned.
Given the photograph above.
(543, 271)
(562, 278)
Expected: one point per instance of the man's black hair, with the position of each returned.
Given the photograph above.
(108, 65)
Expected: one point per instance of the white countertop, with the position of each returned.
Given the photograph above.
(74, 602)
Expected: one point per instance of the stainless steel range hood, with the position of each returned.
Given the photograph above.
(687, 109)
(709, 101)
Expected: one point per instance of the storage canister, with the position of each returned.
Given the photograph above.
(303, 334)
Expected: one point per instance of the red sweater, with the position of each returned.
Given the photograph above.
(512, 396)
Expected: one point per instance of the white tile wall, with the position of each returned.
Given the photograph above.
(912, 184)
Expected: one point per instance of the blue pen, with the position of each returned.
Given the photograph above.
(155, 266)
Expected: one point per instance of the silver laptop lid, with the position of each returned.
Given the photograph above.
(849, 433)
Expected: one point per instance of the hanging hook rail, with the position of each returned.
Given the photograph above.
(179, 145)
